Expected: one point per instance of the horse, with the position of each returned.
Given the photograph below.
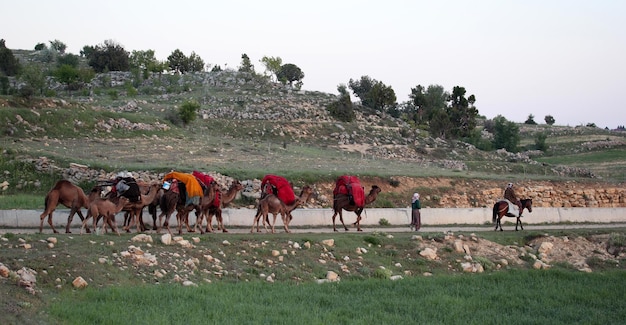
(501, 209)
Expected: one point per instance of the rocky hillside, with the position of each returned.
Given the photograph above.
(242, 117)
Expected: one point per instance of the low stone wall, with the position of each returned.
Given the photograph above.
(572, 196)
(323, 217)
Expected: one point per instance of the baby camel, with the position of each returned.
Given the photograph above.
(104, 209)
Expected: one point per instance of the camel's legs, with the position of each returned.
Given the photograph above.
(71, 217)
(220, 220)
(42, 218)
(340, 219)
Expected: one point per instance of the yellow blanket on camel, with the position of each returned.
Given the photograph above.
(194, 190)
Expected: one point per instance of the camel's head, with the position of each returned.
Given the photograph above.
(236, 185)
(375, 190)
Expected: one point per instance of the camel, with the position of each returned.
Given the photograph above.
(135, 209)
(342, 202)
(103, 208)
(207, 202)
(145, 189)
(225, 199)
(272, 204)
(71, 196)
(172, 201)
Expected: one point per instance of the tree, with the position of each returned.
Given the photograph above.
(87, 51)
(40, 46)
(289, 73)
(549, 119)
(342, 108)
(427, 101)
(362, 87)
(58, 46)
(246, 66)
(144, 62)
(373, 93)
(33, 76)
(506, 134)
(530, 120)
(272, 64)
(195, 63)
(9, 65)
(439, 124)
(187, 111)
(178, 62)
(109, 56)
(462, 112)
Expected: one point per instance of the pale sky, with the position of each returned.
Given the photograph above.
(564, 58)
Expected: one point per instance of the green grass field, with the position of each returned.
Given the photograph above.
(229, 273)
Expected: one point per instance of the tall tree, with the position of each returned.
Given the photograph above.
(246, 65)
(427, 101)
(506, 134)
(109, 56)
(9, 65)
(195, 62)
(362, 87)
(289, 73)
(549, 119)
(272, 65)
(462, 112)
(178, 61)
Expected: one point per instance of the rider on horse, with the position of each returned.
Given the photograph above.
(509, 194)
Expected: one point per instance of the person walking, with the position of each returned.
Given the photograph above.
(416, 217)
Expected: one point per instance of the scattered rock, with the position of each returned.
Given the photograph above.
(166, 239)
(79, 283)
(142, 238)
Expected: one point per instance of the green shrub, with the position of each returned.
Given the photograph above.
(383, 222)
(381, 273)
(375, 241)
(187, 111)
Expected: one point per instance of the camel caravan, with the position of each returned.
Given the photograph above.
(186, 192)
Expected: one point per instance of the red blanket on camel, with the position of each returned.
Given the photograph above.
(282, 187)
(350, 185)
(205, 180)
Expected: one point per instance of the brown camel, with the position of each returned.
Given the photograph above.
(216, 210)
(342, 202)
(71, 196)
(272, 204)
(106, 209)
(172, 201)
(202, 209)
(145, 189)
(135, 209)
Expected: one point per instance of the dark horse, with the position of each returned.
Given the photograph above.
(501, 209)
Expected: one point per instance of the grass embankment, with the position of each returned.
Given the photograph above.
(230, 273)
